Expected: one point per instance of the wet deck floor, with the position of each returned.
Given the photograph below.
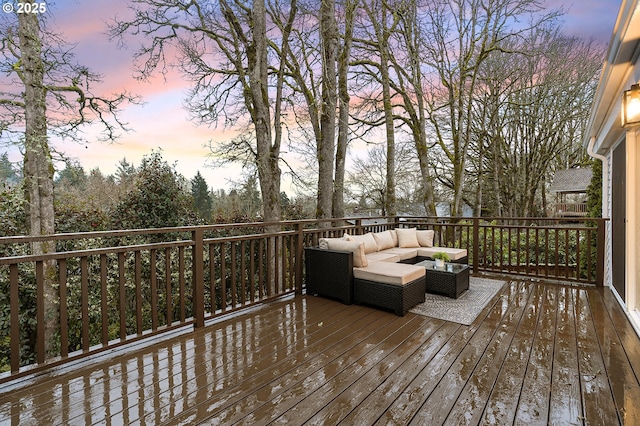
(538, 354)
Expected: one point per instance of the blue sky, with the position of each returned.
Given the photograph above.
(162, 121)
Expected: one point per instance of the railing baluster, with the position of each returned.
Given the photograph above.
(182, 284)
(84, 285)
(14, 302)
(138, 287)
(577, 254)
(243, 272)
(168, 285)
(252, 270)
(261, 276)
(269, 261)
(600, 253)
(198, 278)
(64, 309)
(153, 289)
(122, 295)
(40, 343)
(546, 252)
(233, 283)
(566, 251)
(104, 306)
(223, 278)
(212, 275)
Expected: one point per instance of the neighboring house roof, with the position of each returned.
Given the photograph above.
(571, 180)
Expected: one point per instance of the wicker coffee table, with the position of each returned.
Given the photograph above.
(450, 281)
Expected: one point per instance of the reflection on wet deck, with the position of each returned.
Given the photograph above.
(538, 354)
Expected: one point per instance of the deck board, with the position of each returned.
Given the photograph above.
(537, 354)
(565, 406)
(533, 403)
(594, 385)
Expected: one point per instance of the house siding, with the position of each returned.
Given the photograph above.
(604, 133)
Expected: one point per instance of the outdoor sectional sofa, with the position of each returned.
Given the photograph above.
(375, 268)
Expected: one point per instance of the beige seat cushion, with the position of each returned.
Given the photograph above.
(389, 273)
(454, 253)
(407, 237)
(382, 257)
(359, 258)
(404, 253)
(370, 245)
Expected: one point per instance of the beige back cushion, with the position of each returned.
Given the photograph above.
(359, 258)
(384, 240)
(370, 245)
(323, 243)
(425, 238)
(407, 237)
(394, 236)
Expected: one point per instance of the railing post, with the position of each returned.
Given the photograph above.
(600, 255)
(198, 277)
(299, 256)
(476, 245)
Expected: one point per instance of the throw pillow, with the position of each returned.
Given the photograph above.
(384, 240)
(370, 245)
(359, 258)
(323, 243)
(394, 236)
(425, 238)
(407, 237)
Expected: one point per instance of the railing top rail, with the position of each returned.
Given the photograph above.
(24, 239)
(93, 252)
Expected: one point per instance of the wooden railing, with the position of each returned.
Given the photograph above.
(114, 288)
(571, 209)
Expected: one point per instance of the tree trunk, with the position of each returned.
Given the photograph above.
(390, 195)
(326, 147)
(38, 166)
(343, 115)
(268, 154)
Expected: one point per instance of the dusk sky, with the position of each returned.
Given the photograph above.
(162, 121)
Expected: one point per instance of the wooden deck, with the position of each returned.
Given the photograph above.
(538, 354)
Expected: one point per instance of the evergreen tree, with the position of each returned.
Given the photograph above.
(157, 198)
(202, 202)
(72, 175)
(8, 174)
(594, 190)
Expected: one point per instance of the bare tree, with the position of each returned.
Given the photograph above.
(409, 85)
(374, 61)
(460, 35)
(224, 49)
(46, 94)
(326, 147)
(366, 183)
(530, 115)
(344, 58)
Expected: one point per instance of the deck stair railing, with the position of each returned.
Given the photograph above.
(117, 287)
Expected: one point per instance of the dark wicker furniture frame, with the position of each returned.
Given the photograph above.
(449, 283)
(329, 273)
(399, 298)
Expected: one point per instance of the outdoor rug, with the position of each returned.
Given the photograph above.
(465, 308)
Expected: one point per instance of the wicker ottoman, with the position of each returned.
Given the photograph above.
(394, 286)
(450, 281)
